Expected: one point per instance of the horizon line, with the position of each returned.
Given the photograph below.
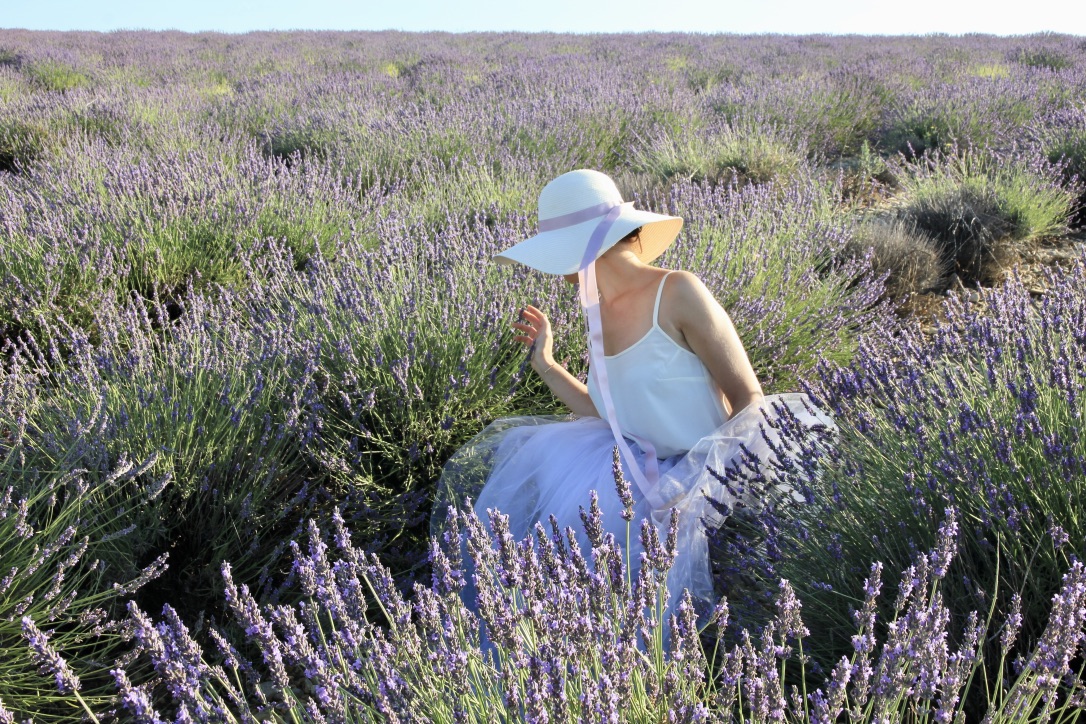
(933, 33)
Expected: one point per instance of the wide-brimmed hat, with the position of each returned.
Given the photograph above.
(571, 208)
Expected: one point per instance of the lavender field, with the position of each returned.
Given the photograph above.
(247, 311)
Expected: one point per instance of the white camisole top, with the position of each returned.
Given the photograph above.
(662, 392)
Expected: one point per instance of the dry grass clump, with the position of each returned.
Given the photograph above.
(981, 208)
(972, 233)
(909, 257)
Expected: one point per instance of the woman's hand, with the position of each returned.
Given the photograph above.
(535, 334)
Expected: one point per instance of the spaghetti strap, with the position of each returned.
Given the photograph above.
(659, 293)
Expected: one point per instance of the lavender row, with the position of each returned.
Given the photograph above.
(562, 634)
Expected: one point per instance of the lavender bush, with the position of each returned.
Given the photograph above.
(151, 224)
(831, 111)
(1063, 140)
(753, 153)
(21, 144)
(987, 109)
(985, 417)
(60, 598)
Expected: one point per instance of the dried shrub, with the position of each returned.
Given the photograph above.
(973, 236)
(979, 206)
(908, 257)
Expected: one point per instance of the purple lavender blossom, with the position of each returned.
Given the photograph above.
(48, 659)
(135, 700)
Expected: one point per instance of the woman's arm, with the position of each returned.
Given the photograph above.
(536, 329)
(710, 333)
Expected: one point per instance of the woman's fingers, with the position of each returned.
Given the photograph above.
(539, 323)
(531, 312)
(533, 324)
(530, 333)
(531, 319)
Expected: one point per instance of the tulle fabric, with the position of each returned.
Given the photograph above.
(533, 467)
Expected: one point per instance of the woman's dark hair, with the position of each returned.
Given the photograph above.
(633, 236)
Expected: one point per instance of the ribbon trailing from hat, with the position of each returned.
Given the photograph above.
(647, 481)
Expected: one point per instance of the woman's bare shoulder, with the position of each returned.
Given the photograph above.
(686, 302)
(686, 288)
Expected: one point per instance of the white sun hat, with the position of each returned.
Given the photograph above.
(571, 208)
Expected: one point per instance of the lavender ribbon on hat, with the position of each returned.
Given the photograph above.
(647, 481)
(579, 217)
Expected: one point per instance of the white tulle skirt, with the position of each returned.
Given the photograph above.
(531, 468)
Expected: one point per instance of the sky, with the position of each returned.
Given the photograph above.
(874, 17)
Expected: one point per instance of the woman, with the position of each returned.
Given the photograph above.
(669, 383)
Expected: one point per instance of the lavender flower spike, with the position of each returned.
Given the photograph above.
(622, 485)
(6, 717)
(48, 659)
(135, 701)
